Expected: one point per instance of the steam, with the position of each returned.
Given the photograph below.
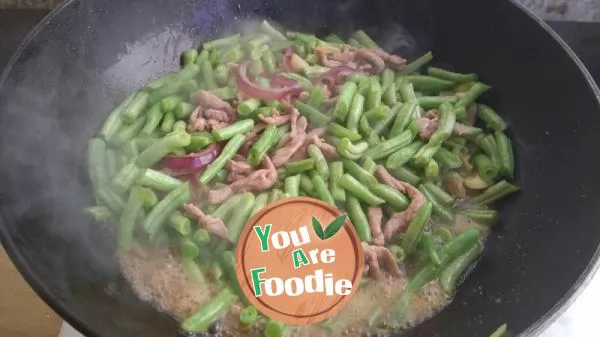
(65, 83)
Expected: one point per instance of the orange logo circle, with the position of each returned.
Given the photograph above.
(299, 260)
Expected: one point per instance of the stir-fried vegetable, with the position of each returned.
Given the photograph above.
(403, 148)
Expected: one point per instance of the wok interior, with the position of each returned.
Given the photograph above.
(84, 58)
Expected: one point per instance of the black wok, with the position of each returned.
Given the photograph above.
(82, 59)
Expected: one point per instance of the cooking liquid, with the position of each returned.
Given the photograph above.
(159, 278)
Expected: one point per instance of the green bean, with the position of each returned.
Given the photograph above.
(238, 128)
(355, 112)
(260, 202)
(472, 94)
(266, 28)
(392, 197)
(298, 166)
(483, 216)
(229, 150)
(358, 218)
(100, 212)
(222, 42)
(491, 118)
(268, 60)
(362, 175)
(221, 74)
(208, 75)
(428, 83)
(432, 169)
(321, 188)
(202, 56)
(451, 274)
(225, 93)
(158, 180)
(156, 219)
(109, 198)
(153, 118)
(226, 209)
(369, 165)
(431, 250)
(135, 108)
(307, 185)
(406, 174)
(125, 178)
(114, 121)
(170, 103)
(97, 162)
(494, 193)
(416, 64)
(201, 237)
(175, 84)
(387, 77)
(276, 194)
(434, 102)
(200, 140)
(341, 132)
(364, 39)
(487, 144)
(155, 152)
(451, 76)
(248, 315)
(275, 329)
(389, 95)
(168, 122)
(262, 145)
(486, 168)
(240, 216)
(439, 194)
(188, 248)
(354, 187)
(192, 271)
(403, 155)
(374, 94)
(406, 90)
(207, 314)
(228, 265)
(132, 209)
(313, 115)
(447, 159)
(333, 38)
(292, 185)
(342, 106)
(398, 253)
(351, 151)
(337, 170)
(505, 154)
(438, 207)
(158, 82)
(320, 162)
(444, 234)
(247, 107)
(384, 149)
(445, 126)
(500, 332)
(405, 115)
(303, 81)
(129, 132)
(317, 96)
(183, 110)
(255, 68)
(180, 223)
(416, 227)
(234, 54)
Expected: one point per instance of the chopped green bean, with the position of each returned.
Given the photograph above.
(354, 187)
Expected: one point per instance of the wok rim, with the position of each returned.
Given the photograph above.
(72, 318)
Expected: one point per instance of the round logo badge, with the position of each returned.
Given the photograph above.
(299, 260)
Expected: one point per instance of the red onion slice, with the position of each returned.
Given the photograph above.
(191, 163)
(253, 90)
